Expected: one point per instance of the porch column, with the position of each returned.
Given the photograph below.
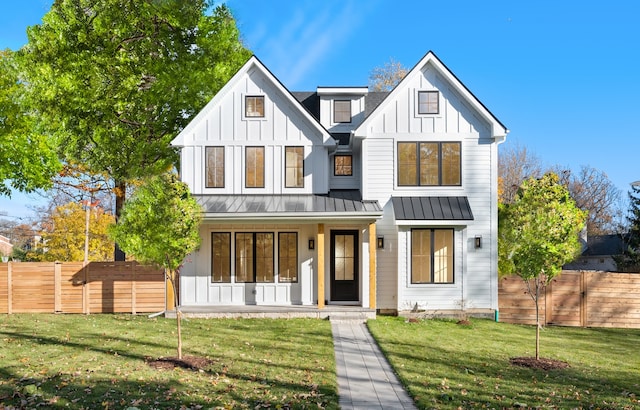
(372, 265)
(320, 256)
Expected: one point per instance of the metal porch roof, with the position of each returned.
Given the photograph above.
(291, 206)
(432, 208)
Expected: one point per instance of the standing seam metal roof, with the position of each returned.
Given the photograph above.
(432, 208)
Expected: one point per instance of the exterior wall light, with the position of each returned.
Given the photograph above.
(478, 241)
(312, 244)
(380, 242)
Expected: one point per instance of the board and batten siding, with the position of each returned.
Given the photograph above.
(475, 284)
(225, 125)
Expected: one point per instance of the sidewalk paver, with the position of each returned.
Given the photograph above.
(365, 377)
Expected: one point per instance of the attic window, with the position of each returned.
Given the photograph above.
(254, 106)
(342, 111)
(428, 102)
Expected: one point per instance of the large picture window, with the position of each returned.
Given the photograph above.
(254, 167)
(294, 167)
(288, 257)
(432, 256)
(429, 163)
(214, 167)
(254, 257)
(221, 257)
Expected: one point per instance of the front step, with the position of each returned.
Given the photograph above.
(351, 317)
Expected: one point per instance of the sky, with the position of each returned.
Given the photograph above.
(561, 75)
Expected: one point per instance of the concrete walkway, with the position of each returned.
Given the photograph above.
(365, 378)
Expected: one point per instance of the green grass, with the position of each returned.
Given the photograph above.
(98, 361)
(449, 366)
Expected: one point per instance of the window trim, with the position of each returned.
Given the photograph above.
(335, 111)
(417, 182)
(206, 165)
(432, 256)
(245, 111)
(296, 258)
(246, 164)
(335, 165)
(286, 183)
(418, 104)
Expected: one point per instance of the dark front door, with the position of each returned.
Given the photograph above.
(344, 266)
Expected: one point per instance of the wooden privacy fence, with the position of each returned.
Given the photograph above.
(575, 298)
(70, 287)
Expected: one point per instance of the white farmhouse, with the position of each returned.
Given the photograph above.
(341, 196)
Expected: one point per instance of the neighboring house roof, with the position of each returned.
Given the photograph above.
(604, 245)
(434, 208)
(498, 130)
(252, 64)
(334, 205)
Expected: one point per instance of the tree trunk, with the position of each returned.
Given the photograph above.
(120, 191)
(537, 319)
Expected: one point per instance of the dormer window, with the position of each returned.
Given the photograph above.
(428, 102)
(254, 106)
(342, 111)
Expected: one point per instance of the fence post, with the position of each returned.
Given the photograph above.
(133, 287)
(9, 289)
(57, 287)
(548, 303)
(583, 298)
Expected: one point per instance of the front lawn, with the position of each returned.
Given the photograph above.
(100, 361)
(450, 366)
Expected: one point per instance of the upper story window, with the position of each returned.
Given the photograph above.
(294, 167)
(214, 167)
(432, 256)
(428, 102)
(429, 164)
(254, 106)
(342, 111)
(342, 165)
(254, 167)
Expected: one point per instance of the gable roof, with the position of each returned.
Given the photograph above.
(253, 63)
(498, 130)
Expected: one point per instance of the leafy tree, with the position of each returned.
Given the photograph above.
(63, 234)
(160, 225)
(538, 233)
(629, 260)
(27, 159)
(385, 78)
(594, 192)
(114, 81)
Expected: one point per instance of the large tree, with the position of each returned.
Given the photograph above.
(160, 225)
(537, 234)
(629, 259)
(27, 159)
(114, 81)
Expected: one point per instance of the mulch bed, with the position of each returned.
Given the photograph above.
(196, 363)
(542, 363)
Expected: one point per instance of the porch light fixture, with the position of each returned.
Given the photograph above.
(478, 241)
(380, 242)
(312, 244)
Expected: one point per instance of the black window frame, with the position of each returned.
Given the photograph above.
(335, 165)
(418, 181)
(297, 265)
(206, 165)
(336, 111)
(286, 167)
(228, 262)
(427, 104)
(254, 257)
(246, 164)
(256, 98)
(432, 256)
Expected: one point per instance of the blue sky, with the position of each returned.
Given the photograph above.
(561, 75)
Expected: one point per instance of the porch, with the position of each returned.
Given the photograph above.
(332, 312)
